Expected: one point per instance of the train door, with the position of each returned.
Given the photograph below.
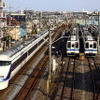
(81, 48)
(91, 47)
(73, 48)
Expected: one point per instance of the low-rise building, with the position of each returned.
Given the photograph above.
(2, 23)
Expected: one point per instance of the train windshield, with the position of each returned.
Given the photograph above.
(87, 45)
(69, 44)
(5, 63)
(94, 45)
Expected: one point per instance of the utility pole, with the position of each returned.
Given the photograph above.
(98, 41)
(50, 46)
(49, 68)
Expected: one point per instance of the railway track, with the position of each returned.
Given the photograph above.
(65, 80)
(29, 88)
(79, 81)
(24, 70)
(92, 79)
(96, 67)
(32, 83)
(73, 82)
(63, 96)
(92, 67)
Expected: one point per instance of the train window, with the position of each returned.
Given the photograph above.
(87, 45)
(94, 45)
(5, 63)
(90, 45)
(69, 44)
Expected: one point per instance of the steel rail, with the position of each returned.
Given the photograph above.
(93, 82)
(65, 80)
(73, 82)
(31, 82)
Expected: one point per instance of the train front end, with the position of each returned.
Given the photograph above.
(5, 66)
(72, 48)
(90, 48)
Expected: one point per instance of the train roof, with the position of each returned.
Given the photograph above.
(88, 36)
(73, 36)
(12, 51)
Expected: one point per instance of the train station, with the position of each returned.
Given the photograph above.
(49, 55)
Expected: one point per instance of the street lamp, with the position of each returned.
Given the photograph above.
(50, 60)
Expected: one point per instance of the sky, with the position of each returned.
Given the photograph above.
(53, 5)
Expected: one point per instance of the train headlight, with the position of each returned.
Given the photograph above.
(1, 76)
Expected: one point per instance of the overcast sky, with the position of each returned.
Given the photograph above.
(54, 5)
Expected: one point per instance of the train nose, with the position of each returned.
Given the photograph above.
(3, 85)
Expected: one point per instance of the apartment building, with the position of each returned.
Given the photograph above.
(2, 22)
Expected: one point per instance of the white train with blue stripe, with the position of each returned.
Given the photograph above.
(12, 60)
(90, 44)
(73, 45)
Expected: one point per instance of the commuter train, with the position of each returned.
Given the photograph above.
(90, 44)
(73, 45)
(13, 59)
